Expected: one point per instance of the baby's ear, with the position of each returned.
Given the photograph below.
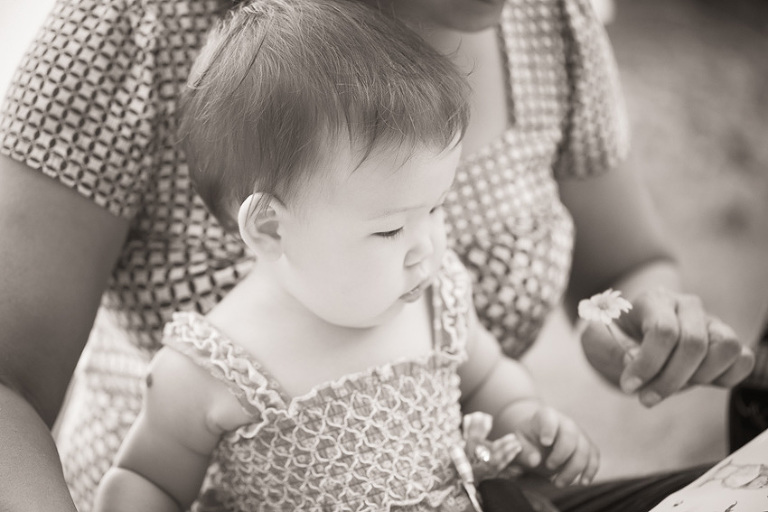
(259, 226)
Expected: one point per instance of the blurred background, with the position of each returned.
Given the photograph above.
(695, 78)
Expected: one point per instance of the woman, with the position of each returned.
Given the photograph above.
(92, 107)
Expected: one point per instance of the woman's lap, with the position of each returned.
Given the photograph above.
(638, 494)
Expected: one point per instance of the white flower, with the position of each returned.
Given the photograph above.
(604, 307)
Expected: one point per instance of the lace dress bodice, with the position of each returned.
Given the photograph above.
(375, 440)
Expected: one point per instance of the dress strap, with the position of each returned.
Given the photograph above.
(451, 303)
(192, 335)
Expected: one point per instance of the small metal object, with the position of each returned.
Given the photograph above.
(482, 453)
(464, 468)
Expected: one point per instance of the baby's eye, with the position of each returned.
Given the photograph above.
(389, 234)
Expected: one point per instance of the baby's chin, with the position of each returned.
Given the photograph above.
(367, 320)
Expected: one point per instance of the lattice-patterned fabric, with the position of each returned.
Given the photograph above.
(376, 440)
(504, 214)
(92, 107)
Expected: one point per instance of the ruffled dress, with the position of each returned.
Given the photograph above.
(376, 440)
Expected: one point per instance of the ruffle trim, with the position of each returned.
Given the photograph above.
(191, 334)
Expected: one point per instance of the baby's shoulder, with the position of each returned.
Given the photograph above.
(179, 387)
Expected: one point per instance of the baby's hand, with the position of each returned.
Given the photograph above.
(553, 443)
(488, 458)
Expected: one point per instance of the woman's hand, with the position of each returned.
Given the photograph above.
(666, 343)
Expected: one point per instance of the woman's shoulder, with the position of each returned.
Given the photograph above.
(87, 101)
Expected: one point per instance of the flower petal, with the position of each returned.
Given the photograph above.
(604, 307)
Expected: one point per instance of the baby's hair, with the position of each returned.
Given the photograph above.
(278, 82)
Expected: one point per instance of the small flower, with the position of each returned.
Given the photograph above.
(604, 307)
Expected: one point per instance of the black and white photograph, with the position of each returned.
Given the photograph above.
(384, 255)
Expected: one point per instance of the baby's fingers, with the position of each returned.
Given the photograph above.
(565, 446)
(547, 425)
(581, 466)
(530, 453)
(540, 434)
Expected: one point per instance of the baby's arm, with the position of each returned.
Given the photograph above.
(162, 461)
(501, 387)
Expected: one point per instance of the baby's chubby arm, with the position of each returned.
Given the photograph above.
(500, 386)
(163, 459)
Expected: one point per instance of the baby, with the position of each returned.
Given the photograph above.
(335, 375)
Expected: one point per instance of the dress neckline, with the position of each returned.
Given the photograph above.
(294, 404)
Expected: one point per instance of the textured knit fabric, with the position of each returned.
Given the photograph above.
(375, 440)
(92, 106)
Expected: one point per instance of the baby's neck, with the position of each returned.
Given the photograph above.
(302, 351)
(262, 303)
(261, 299)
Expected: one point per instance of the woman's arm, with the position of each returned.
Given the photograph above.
(57, 253)
(617, 232)
(620, 245)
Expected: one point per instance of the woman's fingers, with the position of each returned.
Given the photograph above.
(654, 318)
(681, 345)
(739, 370)
(603, 352)
(723, 351)
(690, 350)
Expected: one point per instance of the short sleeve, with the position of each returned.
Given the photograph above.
(595, 130)
(80, 106)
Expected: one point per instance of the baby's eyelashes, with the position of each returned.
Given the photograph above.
(389, 234)
(436, 208)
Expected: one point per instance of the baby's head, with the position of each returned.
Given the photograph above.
(282, 85)
(328, 135)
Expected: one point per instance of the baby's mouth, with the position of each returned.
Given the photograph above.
(414, 293)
